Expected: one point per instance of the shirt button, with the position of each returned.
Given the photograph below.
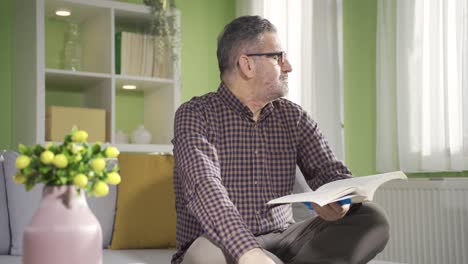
(256, 152)
(255, 182)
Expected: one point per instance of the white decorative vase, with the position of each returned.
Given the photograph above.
(121, 137)
(141, 136)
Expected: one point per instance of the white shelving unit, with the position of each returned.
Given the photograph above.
(97, 84)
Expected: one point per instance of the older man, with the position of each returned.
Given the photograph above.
(237, 148)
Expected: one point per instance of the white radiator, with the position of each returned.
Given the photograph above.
(428, 221)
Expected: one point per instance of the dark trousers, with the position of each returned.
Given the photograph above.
(356, 238)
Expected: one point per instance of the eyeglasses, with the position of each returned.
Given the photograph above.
(279, 56)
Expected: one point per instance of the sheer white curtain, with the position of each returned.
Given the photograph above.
(422, 89)
(311, 35)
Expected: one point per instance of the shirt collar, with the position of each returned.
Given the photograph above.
(235, 104)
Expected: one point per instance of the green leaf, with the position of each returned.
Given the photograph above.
(26, 171)
(96, 148)
(38, 149)
(24, 150)
(67, 139)
(89, 154)
(35, 163)
(38, 179)
(61, 173)
(45, 169)
(28, 186)
(54, 148)
(48, 176)
(63, 180)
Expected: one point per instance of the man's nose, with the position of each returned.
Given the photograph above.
(286, 67)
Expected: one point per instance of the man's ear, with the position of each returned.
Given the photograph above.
(246, 66)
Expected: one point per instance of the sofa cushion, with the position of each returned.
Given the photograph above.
(4, 223)
(22, 205)
(145, 216)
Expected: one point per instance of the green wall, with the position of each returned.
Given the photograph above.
(5, 73)
(359, 33)
(129, 107)
(202, 21)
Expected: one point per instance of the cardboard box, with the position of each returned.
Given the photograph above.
(60, 120)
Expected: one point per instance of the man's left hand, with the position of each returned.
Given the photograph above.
(332, 211)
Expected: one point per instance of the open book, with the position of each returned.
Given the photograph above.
(358, 189)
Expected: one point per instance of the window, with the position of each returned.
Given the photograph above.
(422, 88)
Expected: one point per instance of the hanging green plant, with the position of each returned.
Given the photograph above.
(164, 26)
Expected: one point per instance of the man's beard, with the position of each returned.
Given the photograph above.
(278, 89)
(283, 84)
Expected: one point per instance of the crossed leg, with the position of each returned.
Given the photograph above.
(356, 238)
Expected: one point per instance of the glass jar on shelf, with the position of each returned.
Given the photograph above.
(72, 52)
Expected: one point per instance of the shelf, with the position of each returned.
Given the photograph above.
(136, 16)
(143, 83)
(68, 75)
(151, 148)
(148, 148)
(74, 80)
(43, 82)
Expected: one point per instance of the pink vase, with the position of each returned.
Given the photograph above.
(63, 230)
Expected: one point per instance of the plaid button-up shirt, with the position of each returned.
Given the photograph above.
(228, 166)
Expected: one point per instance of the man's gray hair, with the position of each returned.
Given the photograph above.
(242, 32)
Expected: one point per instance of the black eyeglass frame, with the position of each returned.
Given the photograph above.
(280, 54)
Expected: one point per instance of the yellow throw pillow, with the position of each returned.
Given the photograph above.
(145, 216)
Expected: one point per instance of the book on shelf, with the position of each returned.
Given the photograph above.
(136, 54)
(139, 54)
(148, 56)
(354, 190)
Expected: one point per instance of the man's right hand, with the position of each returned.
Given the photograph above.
(255, 256)
(332, 211)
